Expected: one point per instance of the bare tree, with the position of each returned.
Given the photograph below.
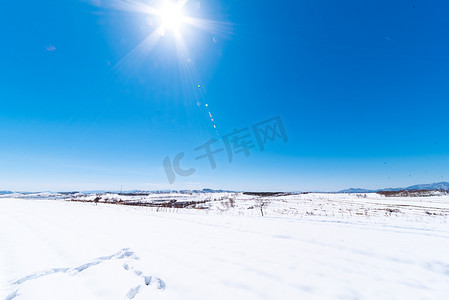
(262, 204)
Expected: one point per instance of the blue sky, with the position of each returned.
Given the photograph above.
(361, 88)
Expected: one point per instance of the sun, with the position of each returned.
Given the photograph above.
(171, 16)
(166, 16)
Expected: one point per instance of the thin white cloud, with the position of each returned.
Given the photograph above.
(50, 48)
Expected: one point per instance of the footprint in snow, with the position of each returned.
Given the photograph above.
(126, 254)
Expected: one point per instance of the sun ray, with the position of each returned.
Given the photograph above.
(172, 19)
(214, 27)
(134, 58)
(130, 6)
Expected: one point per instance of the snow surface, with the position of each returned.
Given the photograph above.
(310, 246)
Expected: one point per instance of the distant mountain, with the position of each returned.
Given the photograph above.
(5, 192)
(443, 186)
(356, 190)
(215, 191)
(440, 186)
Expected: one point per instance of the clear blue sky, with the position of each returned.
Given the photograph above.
(361, 87)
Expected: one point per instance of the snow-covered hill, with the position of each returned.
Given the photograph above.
(366, 205)
(306, 246)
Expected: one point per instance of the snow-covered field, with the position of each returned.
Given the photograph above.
(305, 246)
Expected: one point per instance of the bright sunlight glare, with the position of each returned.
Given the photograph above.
(171, 16)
